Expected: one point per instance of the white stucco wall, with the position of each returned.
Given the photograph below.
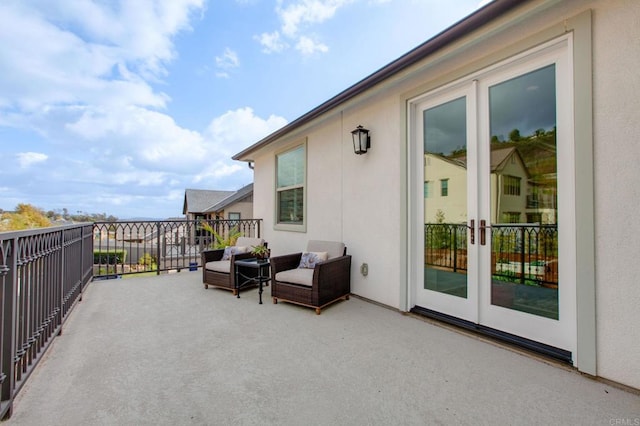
(359, 199)
(616, 89)
(354, 199)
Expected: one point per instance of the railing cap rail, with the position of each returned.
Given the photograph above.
(8, 235)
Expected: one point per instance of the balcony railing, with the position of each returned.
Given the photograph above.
(123, 248)
(520, 253)
(42, 273)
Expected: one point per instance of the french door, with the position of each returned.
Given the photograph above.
(492, 234)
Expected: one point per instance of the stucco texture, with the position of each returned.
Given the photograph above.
(616, 51)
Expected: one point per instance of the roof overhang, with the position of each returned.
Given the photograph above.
(458, 30)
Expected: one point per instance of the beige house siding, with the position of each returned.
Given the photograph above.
(244, 207)
(452, 207)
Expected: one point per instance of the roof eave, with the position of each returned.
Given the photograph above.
(458, 30)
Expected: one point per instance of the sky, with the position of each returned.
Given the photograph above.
(117, 107)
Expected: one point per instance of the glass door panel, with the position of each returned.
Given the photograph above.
(445, 198)
(523, 193)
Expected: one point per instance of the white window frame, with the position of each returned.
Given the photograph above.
(286, 226)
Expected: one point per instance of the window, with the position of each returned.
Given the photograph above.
(234, 216)
(426, 189)
(511, 185)
(444, 187)
(511, 217)
(290, 188)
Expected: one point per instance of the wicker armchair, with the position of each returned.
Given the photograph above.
(222, 273)
(317, 287)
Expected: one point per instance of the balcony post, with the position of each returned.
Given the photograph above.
(157, 248)
(522, 254)
(455, 248)
(10, 283)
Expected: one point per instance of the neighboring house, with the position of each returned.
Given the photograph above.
(558, 80)
(445, 187)
(201, 204)
(208, 204)
(236, 206)
(197, 203)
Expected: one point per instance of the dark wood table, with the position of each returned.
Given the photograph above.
(251, 272)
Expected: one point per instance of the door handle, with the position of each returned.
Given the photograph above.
(472, 228)
(483, 227)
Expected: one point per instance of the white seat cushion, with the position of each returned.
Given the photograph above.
(223, 266)
(301, 276)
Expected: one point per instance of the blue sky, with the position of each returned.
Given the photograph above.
(117, 107)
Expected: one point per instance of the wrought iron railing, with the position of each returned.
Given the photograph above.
(522, 253)
(526, 254)
(446, 246)
(42, 273)
(134, 247)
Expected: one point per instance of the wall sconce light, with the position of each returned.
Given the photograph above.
(361, 140)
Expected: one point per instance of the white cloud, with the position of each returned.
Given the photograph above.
(141, 148)
(307, 12)
(308, 47)
(235, 130)
(295, 17)
(271, 42)
(26, 159)
(150, 140)
(113, 53)
(229, 59)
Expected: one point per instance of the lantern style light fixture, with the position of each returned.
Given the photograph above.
(361, 140)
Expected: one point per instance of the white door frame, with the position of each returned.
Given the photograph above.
(558, 52)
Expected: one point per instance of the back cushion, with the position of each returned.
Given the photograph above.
(249, 242)
(333, 248)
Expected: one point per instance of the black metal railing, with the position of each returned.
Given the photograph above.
(446, 246)
(42, 273)
(525, 254)
(135, 247)
(521, 253)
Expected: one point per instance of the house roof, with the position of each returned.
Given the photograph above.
(498, 158)
(199, 200)
(243, 192)
(458, 30)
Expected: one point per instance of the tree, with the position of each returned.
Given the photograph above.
(514, 135)
(25, 216)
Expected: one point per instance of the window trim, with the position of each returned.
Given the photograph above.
(294, 227)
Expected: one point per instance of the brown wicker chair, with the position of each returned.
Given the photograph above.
(328, 282)
(222, 273)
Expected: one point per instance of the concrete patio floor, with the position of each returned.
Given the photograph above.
(162, 350)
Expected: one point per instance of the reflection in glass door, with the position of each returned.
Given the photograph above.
(523, 193)
(445, 198)
(489, 211)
